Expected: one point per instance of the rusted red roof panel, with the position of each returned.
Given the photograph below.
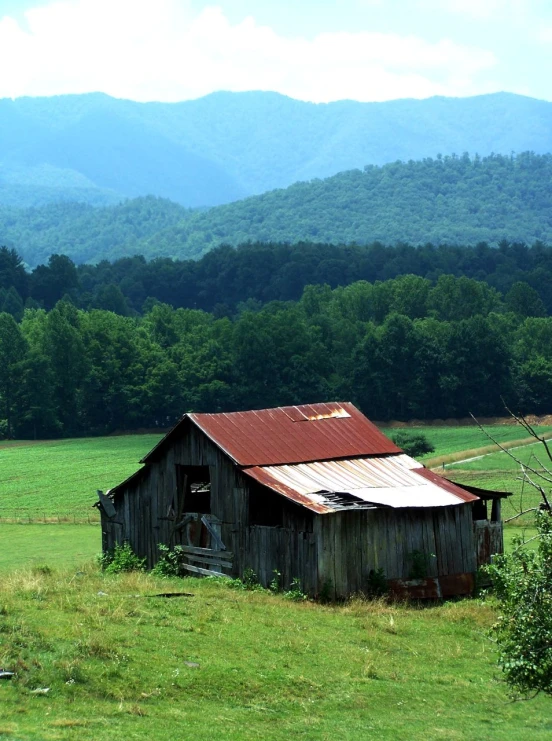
(311, 432)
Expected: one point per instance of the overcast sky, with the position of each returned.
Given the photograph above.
(316, 50)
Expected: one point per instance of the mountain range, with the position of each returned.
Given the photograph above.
(226, 146)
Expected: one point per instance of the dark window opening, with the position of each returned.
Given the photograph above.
(193, 485)
(479, 510)
(265, 507)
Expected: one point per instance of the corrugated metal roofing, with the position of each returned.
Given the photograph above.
(311, 432)
(391, 481)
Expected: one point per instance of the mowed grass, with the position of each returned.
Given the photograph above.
(49, 479)
(119, 663)
(501, 472)
(60, 478)
(448, 440)
(55, 546)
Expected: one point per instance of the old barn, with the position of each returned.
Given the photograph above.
(315, 492)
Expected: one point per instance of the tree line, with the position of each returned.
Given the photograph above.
(227, 277)
(400, 348)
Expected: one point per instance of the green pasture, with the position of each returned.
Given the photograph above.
(100, 658)
(448, 440)
(52, 479)
(59, 478)
(119, 662)
(533, 455)
(56, 546)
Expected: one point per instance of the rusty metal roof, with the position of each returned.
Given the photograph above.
(311, 432)
(395, 481)
(296, 434)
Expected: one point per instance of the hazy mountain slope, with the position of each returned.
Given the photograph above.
(85, 233)
(452, 200)
(226, 146)
(449, 200)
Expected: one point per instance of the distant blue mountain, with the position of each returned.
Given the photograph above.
(226, 146)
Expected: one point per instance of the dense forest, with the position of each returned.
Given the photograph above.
(225, 146)
(447, 200)
(403, 347)
(227, 279)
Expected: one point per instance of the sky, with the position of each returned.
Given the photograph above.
(313, 50)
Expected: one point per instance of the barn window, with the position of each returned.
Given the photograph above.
(265, 507)
(193, 485)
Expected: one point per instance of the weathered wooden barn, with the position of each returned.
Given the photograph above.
(314, 492)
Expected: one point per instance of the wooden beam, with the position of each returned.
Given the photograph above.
(107, 504)
(207, 552)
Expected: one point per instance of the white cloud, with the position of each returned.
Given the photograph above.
(159, 50)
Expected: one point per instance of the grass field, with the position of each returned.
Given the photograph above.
(56, 546)
(226, 664)
(447, 440)
(48, 479)
(233, 665)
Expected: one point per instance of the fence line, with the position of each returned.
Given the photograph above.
(33, 517)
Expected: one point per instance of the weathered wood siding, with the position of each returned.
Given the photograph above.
(489, 540)
(142, 516)
(351, 544)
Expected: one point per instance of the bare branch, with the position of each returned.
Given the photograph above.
(525, 543)
(520, 419)
(508, 452)
(519, 514)
(537, 486)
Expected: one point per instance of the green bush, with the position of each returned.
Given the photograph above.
(522, 581)
(169, 563)
(122, 558)
(413, 443)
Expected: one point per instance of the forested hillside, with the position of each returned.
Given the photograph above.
(86, 233)
(226, 146)
(429, 345)
(448, 200)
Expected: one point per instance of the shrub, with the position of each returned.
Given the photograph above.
(122, 558)
(169, 563)
(522, 581)
(413, 443)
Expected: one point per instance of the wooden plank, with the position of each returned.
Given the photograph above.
(106, 504)
(209, 561)
(126, 526)
(207, 552)
(439, 552)
(321, 554)
(203, 572)
(211, 527)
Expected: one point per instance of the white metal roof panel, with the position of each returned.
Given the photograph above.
(392, 481)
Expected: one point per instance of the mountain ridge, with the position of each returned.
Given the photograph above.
(226, 146)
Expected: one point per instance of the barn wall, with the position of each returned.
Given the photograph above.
(351, 544)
